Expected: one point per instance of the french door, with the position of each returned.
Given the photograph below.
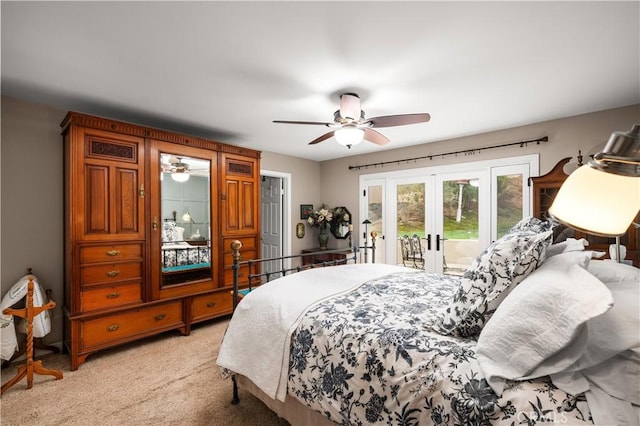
(374, 205)
(453, 215)
(444, 217)
(461, 220)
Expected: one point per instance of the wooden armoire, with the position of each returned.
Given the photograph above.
(145, 253)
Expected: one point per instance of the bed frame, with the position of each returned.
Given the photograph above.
(256, 277)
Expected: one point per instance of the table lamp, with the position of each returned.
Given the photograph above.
(603, 197)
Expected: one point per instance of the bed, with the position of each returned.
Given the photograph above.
(181, 256)
(536, 331)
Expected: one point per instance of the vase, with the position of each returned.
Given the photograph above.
(323, 237)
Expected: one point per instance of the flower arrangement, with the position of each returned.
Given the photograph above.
(320, 218)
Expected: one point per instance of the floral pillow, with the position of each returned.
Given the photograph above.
(490, 278)
(531, 224)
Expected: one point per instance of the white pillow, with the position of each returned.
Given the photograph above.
(616, 331)
(544, 315)
(570, 244)
(609, 271)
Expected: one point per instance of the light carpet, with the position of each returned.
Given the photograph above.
(168, 379)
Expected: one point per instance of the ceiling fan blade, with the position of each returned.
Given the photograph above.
(321, 138)
(399, 120)
(303, 122)
(375, 137)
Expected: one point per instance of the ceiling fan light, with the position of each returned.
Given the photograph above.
(349, 136)
(180, 176)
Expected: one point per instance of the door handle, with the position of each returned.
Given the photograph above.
(437, 242)
(429, 242)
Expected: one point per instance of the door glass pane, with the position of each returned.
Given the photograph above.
(410, 227)
(509, 208)
(375, 213)
(460, 223)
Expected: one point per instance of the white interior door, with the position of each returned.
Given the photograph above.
(271, 205)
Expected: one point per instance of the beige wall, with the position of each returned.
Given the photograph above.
(588, 132)
(31, 206)
(305, 189)
(32, 199)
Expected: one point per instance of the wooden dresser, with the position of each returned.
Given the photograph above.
(319, 257)
(119, 200)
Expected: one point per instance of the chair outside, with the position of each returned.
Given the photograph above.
(416, 252)
(411, 248)
(405, 248)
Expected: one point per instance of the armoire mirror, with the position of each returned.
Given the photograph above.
(341, 223)
(186, 231)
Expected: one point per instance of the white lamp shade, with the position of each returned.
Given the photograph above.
(349, 136)
(597, 202)
(180, 176)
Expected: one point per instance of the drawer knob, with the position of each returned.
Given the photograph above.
(211, 304)
(113, 252)
(113, 327)
(113, 273)
(160, 317)
(113, 295)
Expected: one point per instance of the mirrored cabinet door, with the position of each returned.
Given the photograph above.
(182, 239)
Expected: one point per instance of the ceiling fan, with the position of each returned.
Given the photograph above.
(177, 167)
(350, 126)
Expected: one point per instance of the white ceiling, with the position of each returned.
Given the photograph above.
(225, 70)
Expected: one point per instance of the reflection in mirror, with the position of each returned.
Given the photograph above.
(341, 223)
(186, 230)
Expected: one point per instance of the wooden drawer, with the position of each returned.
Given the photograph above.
(244, 255)
(110, 252)
(211, 305)
(110, 273)
(110, 297)
(243, 275)
(131, 324)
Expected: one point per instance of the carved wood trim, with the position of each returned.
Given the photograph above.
(86, 120)
(96, 147)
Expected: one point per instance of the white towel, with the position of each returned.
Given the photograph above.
(41, 322)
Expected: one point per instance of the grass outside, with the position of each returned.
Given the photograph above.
(466, 229)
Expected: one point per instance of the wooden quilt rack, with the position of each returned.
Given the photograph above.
(31, 366)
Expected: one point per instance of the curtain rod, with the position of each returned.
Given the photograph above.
(470, 151)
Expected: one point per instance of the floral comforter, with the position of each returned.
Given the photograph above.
(371, 357)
